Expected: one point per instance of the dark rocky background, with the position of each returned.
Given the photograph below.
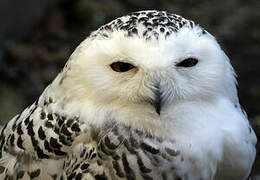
(37, 37)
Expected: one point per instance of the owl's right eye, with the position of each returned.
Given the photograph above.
(189, 62)
(121, 66)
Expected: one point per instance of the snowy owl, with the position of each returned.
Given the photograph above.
(148, 96)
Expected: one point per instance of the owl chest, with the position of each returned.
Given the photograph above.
(132, 156)
(142, 161)
(135, 155)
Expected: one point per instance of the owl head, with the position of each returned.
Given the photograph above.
(146, 61)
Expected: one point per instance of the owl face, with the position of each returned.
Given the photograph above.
(155, 70)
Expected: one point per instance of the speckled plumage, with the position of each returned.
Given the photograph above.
(147, 25)
(40, 133)
(157, 121)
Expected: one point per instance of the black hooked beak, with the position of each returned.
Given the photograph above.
(157, 102)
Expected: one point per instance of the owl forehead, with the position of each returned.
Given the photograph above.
(147, 25)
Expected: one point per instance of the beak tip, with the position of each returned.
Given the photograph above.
(158, 110)
(158, 99)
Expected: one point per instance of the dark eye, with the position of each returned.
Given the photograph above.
(121, 66)
(187, 62)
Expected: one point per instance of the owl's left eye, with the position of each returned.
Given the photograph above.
(189, 62)
(121, 66)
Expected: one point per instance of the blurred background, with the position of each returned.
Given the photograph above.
(37, 37)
